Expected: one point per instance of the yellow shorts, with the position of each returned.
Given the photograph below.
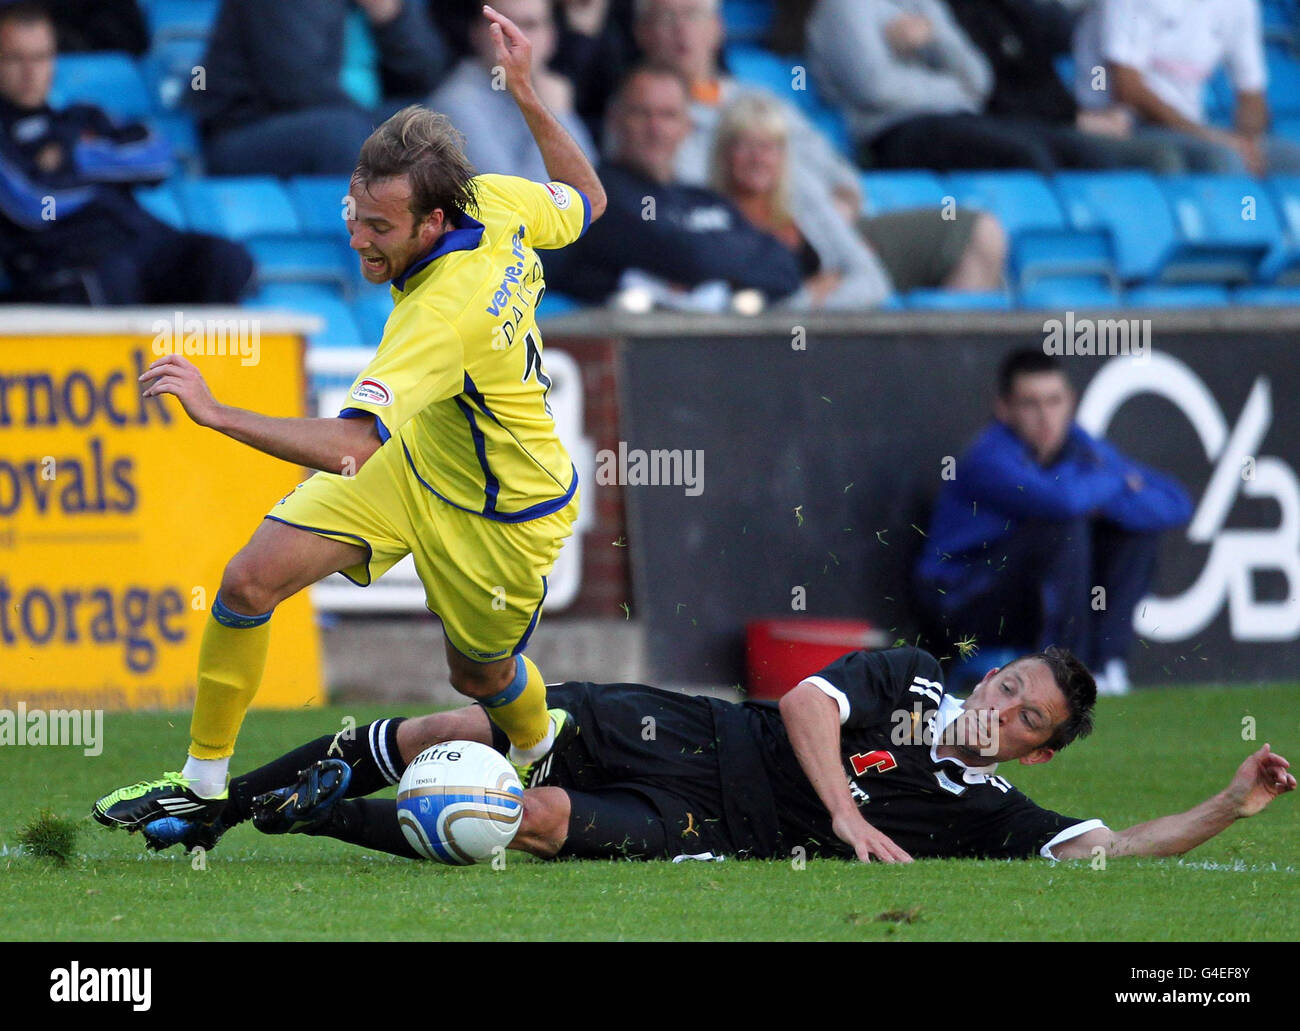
(485, 579)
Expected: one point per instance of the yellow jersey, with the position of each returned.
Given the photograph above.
(458, 376)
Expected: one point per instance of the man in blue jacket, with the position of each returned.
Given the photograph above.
(1045, 535)
(71, 231)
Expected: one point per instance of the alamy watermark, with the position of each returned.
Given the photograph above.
(60, 728)
(219, 338)
(636, 467)
(1097, 337)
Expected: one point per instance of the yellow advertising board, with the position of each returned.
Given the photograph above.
(118, 514)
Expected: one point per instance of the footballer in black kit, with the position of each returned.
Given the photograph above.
(869, 758)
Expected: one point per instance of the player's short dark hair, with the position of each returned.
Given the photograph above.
(425, 147)
(1025, 362)
(25, 12)
(1079, 688)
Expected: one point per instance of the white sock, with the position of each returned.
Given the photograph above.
(207, 777)
(524, 756)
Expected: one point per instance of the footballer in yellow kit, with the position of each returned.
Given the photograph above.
(476, 484)
(446, 449)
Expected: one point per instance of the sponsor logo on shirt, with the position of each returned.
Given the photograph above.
(559, 195)
(372, 392)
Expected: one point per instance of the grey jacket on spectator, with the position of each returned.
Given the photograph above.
(864, 283)
(497, 138)
(811, 151)
(856, 67)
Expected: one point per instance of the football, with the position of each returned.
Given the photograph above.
(459, 802)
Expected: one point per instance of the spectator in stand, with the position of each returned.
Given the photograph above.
(918, 248)
(273, 103)
(688, 35)
(916, 87)
(676, 236)
(70, 230)
(750, 166)
(497, 139)
(594, 51)
(1149, 61)
(1037, 517)
(1021, 39)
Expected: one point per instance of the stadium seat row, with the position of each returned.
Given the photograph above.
(1125, 227)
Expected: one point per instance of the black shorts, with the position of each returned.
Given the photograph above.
(645, 776)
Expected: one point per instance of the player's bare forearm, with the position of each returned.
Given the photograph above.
(812, 722)
(1261, 778)
(565, 162)
(330, 445)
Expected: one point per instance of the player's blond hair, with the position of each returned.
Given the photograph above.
(757, 115)
(424, 146)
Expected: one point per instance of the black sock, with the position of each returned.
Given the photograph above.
(369, 822)
(371, 751)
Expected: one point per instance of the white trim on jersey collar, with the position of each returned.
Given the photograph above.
(949, 709)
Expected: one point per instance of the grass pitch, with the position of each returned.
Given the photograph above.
(1157, 752)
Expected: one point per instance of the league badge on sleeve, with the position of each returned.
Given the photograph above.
(560, 195)
(372, 392)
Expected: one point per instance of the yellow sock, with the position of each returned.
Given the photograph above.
(232, 658)
(520, 710)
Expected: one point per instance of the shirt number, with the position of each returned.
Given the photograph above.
(879, 760)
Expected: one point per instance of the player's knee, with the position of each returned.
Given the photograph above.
(418, 733)
(244, 590)
(481, 681)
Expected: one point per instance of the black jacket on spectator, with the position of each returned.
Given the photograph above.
(690, 236)
(84, 25)
(1020, 38)
(70, 229)
(268, 58)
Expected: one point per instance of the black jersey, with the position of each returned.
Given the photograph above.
(893, 709)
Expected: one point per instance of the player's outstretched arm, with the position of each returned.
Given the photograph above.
(564, 159)
(330, 445)
(1259, 780)
(812, 722)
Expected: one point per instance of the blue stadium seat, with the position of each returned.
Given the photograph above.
(1217, 240)
(554, 304)
(1283, 81)
(1131, 208)
(181, 19)
(1044, 254)
(1281, 22)
(758, 67)
(749, 20)
(371, 308)
(318, 200)
(285, 259)
(1202, 295)
(1022, 200)
(161, 202)
(956, 300)
(340, 328)
(241, 208)
(181, 133)
(109, 80)
(1288, 129)
(1220, 101)
(1272, 296)
(168, 70)
(1042, 244)
(1283, 263)
(1068, 293)
(883, 192)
